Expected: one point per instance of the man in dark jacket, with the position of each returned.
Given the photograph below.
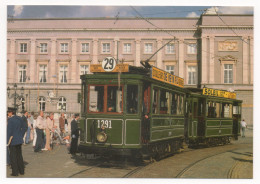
(24, 118)
(15, 133)
(74, 135)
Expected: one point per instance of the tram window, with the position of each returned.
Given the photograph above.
(132, 99)
(226, 110)
(155, 101)
(236, 110)
(114, 99)
(164, 102)
(174, 103)
(96, 98)
(213, 110)
(200, 108)
(180, 105)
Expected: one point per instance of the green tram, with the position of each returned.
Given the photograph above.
(140, 112)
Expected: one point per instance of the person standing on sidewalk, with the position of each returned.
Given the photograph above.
(48, 129)
(39, 131)
(15, 132)
(28, 134)
(74, 135)
(62, 124)
(243, 127)
(25, 122)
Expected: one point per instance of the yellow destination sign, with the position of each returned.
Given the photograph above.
(163, 76)
(118, 68)
(219, 93)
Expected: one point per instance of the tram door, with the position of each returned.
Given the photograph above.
(194, 118)
(146, 113)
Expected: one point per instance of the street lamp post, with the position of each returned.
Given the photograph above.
(15, 95)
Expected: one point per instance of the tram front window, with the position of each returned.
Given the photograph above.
(114, 99)
(96, 99)
(132, 99)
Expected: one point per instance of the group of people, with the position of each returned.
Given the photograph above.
(35, 129)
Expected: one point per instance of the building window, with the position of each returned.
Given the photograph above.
(170, 69)
(63, 73)
(192, 48)
(22, 104)
(42, 103)
(192, 72)
(22, 73)
(42, 74)
(228, 73)
(62, 104)
(23, 47)
(127, 48)
(84, 69)
(64, 47)
(43, 48)
(148, 48)
(106, 47)
(84, 47)
(170, 48)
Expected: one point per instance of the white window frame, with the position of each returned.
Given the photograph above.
(84, 51)
(169, 50)
(148, 48)
(192, 49)
(63, 71)
(83, 72)
(22, 48)
(43, 48)
(170, 70)
(194, 77)
(127, 48)
(42, 71)
(105, 48)
(230, 77)
(21, 72)
(61, 103)
(42, 101)
(64, 48)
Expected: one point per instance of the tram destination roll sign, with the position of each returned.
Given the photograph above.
(219, 93)
(164, 76)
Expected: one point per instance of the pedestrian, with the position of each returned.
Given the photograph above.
(39, 131)
(66, 125)
(15, 132)
(74, 135)
(28, 134)
(243, 127)
(62, 124)
(34, 130)
(25, 122)
(48, 129)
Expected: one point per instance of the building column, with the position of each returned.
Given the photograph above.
(159, 54)
(12, 74)
(115, 49)
(204, 69)
(251, 46)
(95, 51)
(53, 70)
(211, 61)
(245, 61)
(137, 52)
(181, 59)
(73, 64)
(33, 69)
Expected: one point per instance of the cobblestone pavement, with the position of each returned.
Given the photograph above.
(229, 161)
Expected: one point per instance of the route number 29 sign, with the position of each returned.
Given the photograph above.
(109, 64)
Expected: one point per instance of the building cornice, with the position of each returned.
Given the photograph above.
(228, 27)
(101, 30)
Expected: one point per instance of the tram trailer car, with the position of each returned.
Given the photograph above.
(115, 107)
(214, 117)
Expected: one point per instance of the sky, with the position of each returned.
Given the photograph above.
(67, 11)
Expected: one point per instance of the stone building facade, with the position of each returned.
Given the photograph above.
(47, 56)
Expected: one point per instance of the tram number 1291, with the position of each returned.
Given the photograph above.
(104, 123)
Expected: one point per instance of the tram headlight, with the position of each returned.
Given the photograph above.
(101, 137)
